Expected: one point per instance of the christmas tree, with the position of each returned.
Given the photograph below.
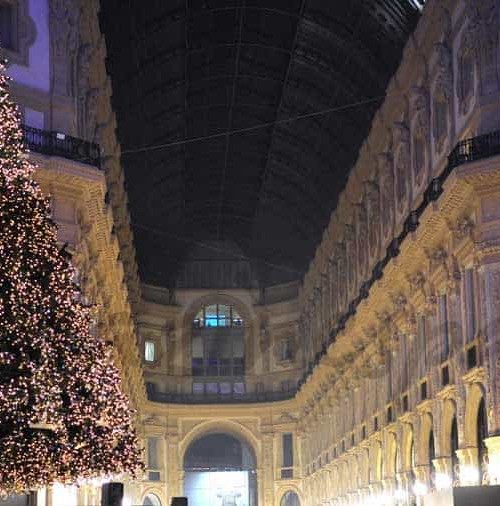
(63, 415)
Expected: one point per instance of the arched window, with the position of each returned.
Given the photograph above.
(217, 315)
(219, 468)
(218, 350)
(290, 499)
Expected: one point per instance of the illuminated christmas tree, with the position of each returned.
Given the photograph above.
(63, 415)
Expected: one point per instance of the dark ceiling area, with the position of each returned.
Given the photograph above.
(230, 76)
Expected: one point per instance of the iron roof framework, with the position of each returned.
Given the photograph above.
(190, 69)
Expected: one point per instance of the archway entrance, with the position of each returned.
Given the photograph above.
(219, 470)
(290, 499)
(151, 500)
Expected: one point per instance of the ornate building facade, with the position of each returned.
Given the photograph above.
(374, 382)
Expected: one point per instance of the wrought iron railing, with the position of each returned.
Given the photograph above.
(467, 150)
(229, 398)
(476, 148)
(59, 144)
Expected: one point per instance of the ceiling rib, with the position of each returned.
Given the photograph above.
(230, 116)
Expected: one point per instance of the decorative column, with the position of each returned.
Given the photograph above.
(404, 488)
(422, 479)
(469, 473)
(174, 467)
(444, 472)
(375, 491)
(388, 489)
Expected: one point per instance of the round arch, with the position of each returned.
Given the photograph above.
(376, 459)
(364, 465)
(229, 473)
(249, 317)
(243, 309)
(229, 427)
(448, 414)
(475, 394)
(391, 455)
(407, 447)
(426, 429)
(284, 493)
(151, 498)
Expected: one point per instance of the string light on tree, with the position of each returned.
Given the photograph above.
(63, 414)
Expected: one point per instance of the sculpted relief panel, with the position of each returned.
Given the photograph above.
(401, 142)
(419, 112)
(441, 98)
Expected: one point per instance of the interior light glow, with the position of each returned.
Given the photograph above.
(64, 495)
(400, 495)
(443, 481)
(382, 499)
(469, 475)
(494, 471)
(420, 488)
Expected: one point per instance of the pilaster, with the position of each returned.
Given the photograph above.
(469, 472)
(266, 483)
(444, 472)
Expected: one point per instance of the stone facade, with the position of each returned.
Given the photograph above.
(413, 346)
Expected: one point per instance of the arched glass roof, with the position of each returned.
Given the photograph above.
(232, 77)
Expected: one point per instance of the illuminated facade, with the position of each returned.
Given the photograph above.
(376, 380)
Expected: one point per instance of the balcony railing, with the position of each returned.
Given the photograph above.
(65, 146)
(229, 398)
(467, 150)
